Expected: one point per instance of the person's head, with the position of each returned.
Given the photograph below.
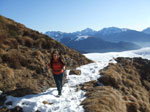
(55, 54)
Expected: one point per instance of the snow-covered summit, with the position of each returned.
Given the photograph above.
(57, 35)
(87, 30)
(111, 30)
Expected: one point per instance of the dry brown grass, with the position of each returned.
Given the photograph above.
(28, 41)
(8, 21)
(104, 99)
(7, 72)
(12, 59)
(37, 54)
(129, 79)
(3, 46)
(6, 78)
(11, 42)
(40, 42)
(2, 52)
(26, 54)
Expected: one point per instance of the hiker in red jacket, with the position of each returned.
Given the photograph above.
(58, 67)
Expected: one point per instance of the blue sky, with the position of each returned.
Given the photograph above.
(75, 15)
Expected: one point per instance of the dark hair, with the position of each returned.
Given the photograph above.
(55, 52)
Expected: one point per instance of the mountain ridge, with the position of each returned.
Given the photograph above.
(105, 31)
(113, 35)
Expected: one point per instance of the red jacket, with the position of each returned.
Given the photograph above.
(57, 67)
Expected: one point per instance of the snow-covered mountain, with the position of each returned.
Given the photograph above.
(57, 35)
(147, 30)
(88, 31)
(127, 36)
(109, 37)
(111, 30)
(71, 98)
(112, 34)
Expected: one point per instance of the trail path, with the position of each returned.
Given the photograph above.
(71, 99)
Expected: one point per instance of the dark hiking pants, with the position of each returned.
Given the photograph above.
(58, 80)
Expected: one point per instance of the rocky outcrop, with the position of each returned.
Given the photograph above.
(24, 58)
(2, 100)
(126, 88)
(16, 109)
(75, 72)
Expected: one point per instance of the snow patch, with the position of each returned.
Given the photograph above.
(71, 97)
(82, 37)
(1, 92)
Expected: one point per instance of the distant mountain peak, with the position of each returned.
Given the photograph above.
(57, 35)
(87, 30)
(147, 30)
(124, 29)
(110, 30)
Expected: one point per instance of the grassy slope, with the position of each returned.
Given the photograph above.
(126, 88)
(24, 57)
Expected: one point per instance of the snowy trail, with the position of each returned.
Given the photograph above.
(71, 99)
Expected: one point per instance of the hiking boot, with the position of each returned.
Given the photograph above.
(58, 96)
(59, 93)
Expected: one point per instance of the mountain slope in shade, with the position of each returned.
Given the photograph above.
(24, 58)
(128, 36)
(147, 30)
(93, 44)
